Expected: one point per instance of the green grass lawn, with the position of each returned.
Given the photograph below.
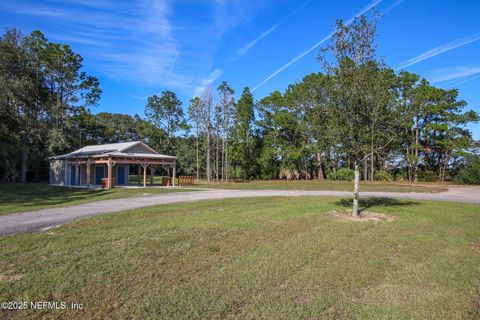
(18, 197)
(327, 185)
(268, 258)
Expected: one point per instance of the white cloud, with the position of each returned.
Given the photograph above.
(439, 50)
(207, 81)
(126, 41)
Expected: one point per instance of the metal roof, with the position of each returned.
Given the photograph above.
(113, 150)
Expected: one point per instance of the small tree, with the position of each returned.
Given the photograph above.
(359, 89)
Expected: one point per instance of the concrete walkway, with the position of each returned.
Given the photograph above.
(45, 218)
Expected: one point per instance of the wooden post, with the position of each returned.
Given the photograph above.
(88, 173)
(174, 173)
(109, 164)
(356, 189)
(145, 166)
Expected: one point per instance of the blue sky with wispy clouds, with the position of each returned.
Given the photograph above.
(140, 48)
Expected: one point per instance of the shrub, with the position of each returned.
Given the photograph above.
(383, 176)
(343, 174)
(428, 176)
(471, 173)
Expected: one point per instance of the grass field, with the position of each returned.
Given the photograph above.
(327, 185)
(18, 197)
(269, 258)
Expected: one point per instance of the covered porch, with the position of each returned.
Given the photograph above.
(111, 171)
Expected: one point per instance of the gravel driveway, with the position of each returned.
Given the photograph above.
(45, 218)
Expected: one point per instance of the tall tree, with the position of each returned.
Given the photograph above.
(311, 106)
(166, 114)
(69, 88)
(206, 116)
(410, 114)
(226, 102)
(444, 134)
(43, 87)
(195, 115)
(243, 142)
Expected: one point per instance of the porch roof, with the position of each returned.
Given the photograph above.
(114, 150)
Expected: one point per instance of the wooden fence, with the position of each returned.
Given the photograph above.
(186, 180)
(181, 181)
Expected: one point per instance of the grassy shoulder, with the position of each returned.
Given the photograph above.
(327, 185)
(268, 258)
(20, 197)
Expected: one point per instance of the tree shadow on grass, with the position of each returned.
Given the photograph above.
(367, 203)
(34, 194)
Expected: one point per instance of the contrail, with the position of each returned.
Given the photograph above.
(316, 45)
(252, 43)
(393, 6)
(257, 39)
(456, 84)
(439, 50)
(173, 63)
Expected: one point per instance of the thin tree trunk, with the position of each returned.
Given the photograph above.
(372, 165)
(365, 169)
(216, 158)
(409, 166)
(23, 171)
(356, 191)
(209, 173)
(226, 160)
(416, 152)
(321, 177)
(306, 169)
(223, 159)
(198, 163)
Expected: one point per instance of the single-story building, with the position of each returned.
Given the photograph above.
(111, 163)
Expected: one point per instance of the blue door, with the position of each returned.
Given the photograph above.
(73, 176)
(121, 175)
(99, 174)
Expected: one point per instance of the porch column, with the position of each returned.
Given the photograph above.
(77, 174)
(145, 166)
(174, 173)
(109, 173)
(88, 173)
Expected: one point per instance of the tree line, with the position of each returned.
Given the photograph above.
(357, 118)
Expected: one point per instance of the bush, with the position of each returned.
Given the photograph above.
(428, 176)
(383, 176)
(470, 174)
(343, 174)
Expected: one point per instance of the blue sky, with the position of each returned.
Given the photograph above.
(140, 48)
